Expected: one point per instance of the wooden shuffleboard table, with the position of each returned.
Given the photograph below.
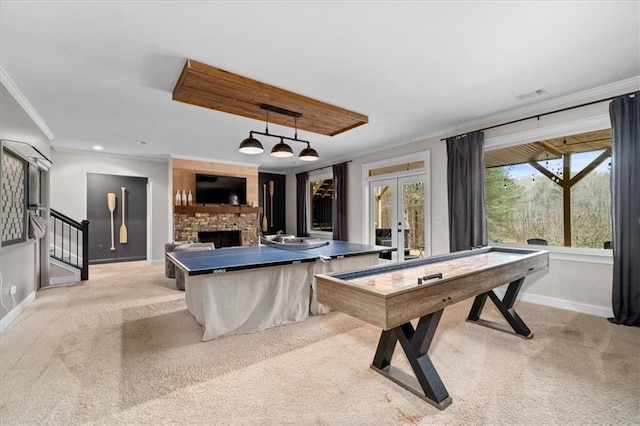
(391, 296)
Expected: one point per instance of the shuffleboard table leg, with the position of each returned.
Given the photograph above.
(505, 306)
(427, 383)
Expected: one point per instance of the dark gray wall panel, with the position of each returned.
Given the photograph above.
(99, 216)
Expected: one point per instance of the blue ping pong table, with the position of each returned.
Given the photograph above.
(246, 289)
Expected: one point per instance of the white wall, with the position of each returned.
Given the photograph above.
(69, 190)
(20, 263)
(581, 284)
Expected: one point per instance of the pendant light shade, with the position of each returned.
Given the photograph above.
(281, 150)
(308, 154)
(251, 145)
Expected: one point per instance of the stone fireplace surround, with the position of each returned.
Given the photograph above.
(187, 225)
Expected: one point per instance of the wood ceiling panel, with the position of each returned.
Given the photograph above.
(213, 88)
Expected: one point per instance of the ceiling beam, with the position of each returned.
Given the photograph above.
(210, 87)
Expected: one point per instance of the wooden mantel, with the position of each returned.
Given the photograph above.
(217, 208)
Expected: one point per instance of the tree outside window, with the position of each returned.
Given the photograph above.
(556, 190)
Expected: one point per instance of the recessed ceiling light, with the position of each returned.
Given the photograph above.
(98, 147)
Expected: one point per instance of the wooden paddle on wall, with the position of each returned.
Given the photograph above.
(271, 191)
(123, 227)
(111, 203)
(265, 225)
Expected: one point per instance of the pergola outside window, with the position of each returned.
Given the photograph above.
(552, 192)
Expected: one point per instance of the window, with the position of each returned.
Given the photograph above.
(554, 192)
(320, 192)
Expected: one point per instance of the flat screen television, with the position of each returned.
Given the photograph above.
(211, 189)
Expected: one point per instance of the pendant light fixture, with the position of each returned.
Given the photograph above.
(281, 150)
(253, 146)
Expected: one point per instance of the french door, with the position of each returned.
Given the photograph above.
(397, 216)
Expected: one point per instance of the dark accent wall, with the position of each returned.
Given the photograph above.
(99, 216)
(278, 221)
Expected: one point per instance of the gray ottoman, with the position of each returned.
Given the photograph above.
(189, 247)
(169, 267)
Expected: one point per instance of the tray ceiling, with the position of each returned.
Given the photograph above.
(210, 87)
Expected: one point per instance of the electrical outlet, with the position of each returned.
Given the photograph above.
(12, 289)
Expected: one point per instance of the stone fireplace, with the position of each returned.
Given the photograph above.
(195, 226)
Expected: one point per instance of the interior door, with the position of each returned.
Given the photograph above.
(397, 216)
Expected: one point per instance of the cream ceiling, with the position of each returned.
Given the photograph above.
(103, 72)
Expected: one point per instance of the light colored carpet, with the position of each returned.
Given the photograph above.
(122, 348)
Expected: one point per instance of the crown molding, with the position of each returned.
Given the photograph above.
(155, 158)
(24, 103)
(613, 89)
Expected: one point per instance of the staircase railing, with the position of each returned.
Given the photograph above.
(70, 242)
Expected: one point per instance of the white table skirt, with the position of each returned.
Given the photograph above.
(249, 300)
(337, 265)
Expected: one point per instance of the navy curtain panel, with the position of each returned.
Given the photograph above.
(625, 208)
(301, 204)
(465, 186)
(340, 231)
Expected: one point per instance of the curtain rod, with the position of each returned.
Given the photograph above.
(326, 167)
(543, 114)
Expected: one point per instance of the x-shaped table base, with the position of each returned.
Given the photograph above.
(415, 342)
(427, 384)
(505, 306)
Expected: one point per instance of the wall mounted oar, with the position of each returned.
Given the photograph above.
(123, 227)
(111, 203)
(271, 191)
(265, 225)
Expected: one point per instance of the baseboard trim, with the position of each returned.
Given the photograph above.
(67, 279)
(569, 305)
(156, 262)
(15, 312)
(118, 260)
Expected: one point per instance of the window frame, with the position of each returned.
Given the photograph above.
(313, 232)
(424, 172)
(496, 139)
